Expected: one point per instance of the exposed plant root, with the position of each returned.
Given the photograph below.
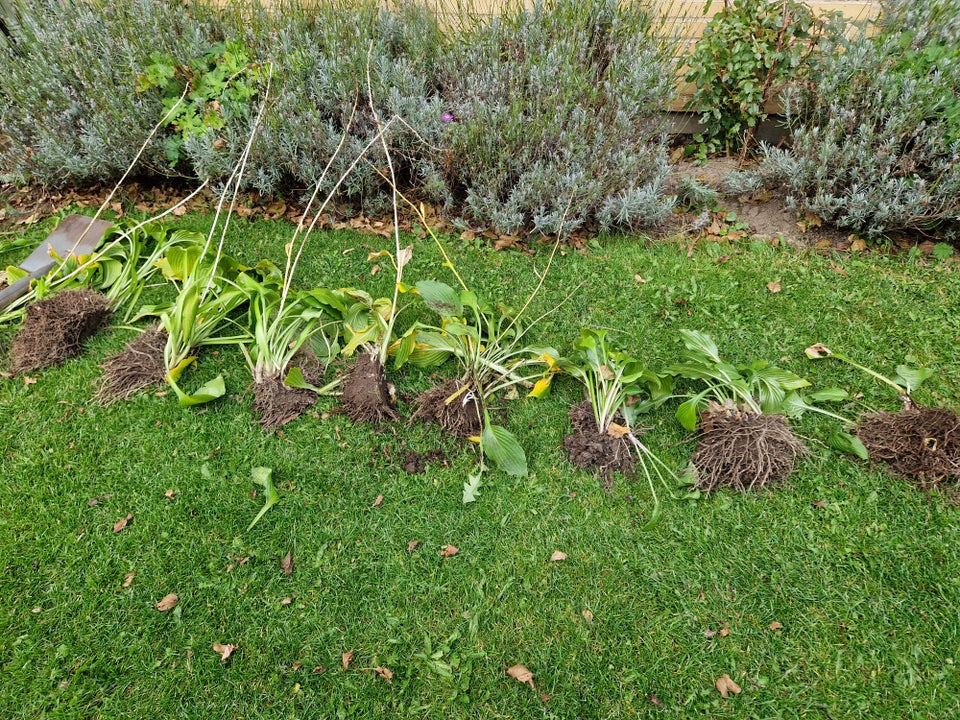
(459, 415)
(138, 366)
(55, 329)
(367, 395)
(276, 404)
(919, 443)
(590, 449)
(743, 450)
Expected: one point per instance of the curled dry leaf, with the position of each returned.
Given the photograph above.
(168, 602)
(775, 625)
(449, 551)
(617, 431)
(773, 287)
(128, 579)
(655, 700)
(225, 651)
(412, 545)
(378, 502)
(587, 615)
(385, 673)
(557, 556)
(817, 351)
(521, 674)
(286, 563)
(29, 380)
(346, 659)
(169, 494)
(122, 523)
(726, 686)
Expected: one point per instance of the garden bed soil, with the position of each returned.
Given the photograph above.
(460, 416)
(55, 329)
(921, 444)
(591, 449)
(367, 395)
(743, 450)
(138, 366)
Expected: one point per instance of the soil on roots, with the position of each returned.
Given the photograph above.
(139, 365)
(366, 392)
(55, 329)
(743, 450)
(459, 415)
(920, 444)
(276, 404)
(591, 449)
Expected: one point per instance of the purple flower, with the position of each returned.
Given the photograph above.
(448, 117)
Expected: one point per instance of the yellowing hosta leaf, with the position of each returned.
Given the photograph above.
(541, 388)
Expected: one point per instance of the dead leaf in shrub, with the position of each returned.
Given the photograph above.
(557, 556)
(346, 659)
(775, 625)
(378, 502)
(859, 245)
(122, 523)
(168, 602)
(128, 579)
(286, 563)
(726, 686)
(225, 651)
(385, 673)
(450, 551)
(521, 674)
(773, 287)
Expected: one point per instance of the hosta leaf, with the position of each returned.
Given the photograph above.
(912, 377)
(829, 395)
(700, 342)
(687, 414)
(541, 388)
(500, 445)
(263, 476)
(440, 297)
(209, 392)
(845, 442)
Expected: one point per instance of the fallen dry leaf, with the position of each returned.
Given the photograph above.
(225, 651)
(522, 675)
(639, 279)
(286, 563)
(168, 602)
(775, 625)
(122, 523)
(29, 380)
(587, 615)
(385, 673)
(726, 686)
(412, 545)
(773, 287)
(655, 700)
(858, 245)
(450, 551)
(617, 431)
(378, 502)
(286, 601)
(557, 556)
(128, 579)
(346, 659)
(7, 375)
(169, 494)
(820, 504)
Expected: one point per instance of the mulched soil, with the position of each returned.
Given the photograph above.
(367, 395)
(592, 450)
(460, 416)
(138, 366)
(55, 329)
(920, 444)
(742, 450)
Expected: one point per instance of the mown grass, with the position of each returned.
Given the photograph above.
(864, 588)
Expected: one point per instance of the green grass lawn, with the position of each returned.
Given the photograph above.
(844, 608)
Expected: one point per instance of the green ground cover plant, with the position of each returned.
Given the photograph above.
(832, 595)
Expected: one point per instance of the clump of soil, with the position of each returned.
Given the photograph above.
(56, 328)
(591, 449)
(417, 463)
(367, 395)
(138, 366)
(460, 416)
(743, 450)
(919, 443)
(276, 404)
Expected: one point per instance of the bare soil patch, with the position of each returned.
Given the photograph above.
(55, 329)
(416, 462)
(920, 444)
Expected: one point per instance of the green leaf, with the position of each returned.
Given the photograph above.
(295, 379)
(912, 377)
(845, 442)
(829, 395)
(471, 488)
(687, 414)
(500, 445)
(210, 391)
(263, 476)
(440, 297)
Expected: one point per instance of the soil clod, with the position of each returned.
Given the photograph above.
(453, 406)
(743, 450)
(138, 366)
(591, 449)
(367, 395)
(417, 463)
(275, 404)
(919, 443)
(55, 329)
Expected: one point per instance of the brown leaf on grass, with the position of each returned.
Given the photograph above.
(7, 375)
(122, 523)
(378, 502)
(385, 673)
(168, 602)
(449, 551)
(558, 555)
(225, 651)
(286, 563)
(820, 504)
(587, 615)
(655, 700)
(726, 686)
(29, 380)
(346, 659)
(412, 545)
(521, 674)
(128, 579)
(773, 287)
(169, 494)
(859, 245)
(775, 625)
